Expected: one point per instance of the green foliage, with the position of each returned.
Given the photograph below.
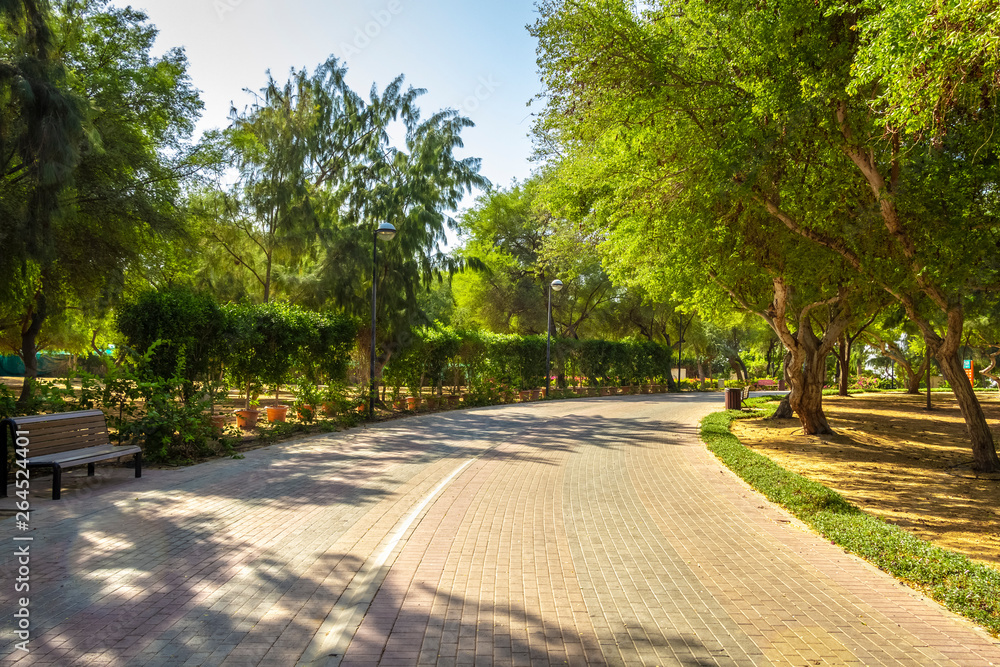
(518, 243)
(94, 137)
(493, 366)
(268, 342)
(964, 586)
(318, 170)
(189, 324)
(929, 61)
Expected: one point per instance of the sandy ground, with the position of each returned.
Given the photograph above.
(899, 462)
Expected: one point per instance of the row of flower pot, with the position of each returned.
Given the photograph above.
(247, 419)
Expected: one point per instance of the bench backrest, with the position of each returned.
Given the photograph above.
(64, 431)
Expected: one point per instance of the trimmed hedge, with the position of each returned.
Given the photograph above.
(499, 363)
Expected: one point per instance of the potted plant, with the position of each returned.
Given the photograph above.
(282, 332)
(276, 413)
(241, 370)
(246, 418)
(334, 399)
(214, 388)
(306, 400)
(395, 396)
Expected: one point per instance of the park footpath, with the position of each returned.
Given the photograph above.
(589, 531)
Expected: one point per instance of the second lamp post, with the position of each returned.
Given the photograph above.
(555, 285)
(385, 231)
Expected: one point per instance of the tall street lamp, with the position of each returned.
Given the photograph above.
(554, 285)
(386, 232)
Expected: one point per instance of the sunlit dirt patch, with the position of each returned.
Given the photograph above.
(899, 462)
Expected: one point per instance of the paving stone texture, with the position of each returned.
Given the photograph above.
(590, 531)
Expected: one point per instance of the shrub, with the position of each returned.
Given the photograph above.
(187, 324)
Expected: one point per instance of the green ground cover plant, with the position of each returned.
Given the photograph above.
(962, 585)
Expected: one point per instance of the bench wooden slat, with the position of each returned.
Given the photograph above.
(41, 430)
(75, 457)
(64, 457)
(63, 418)
(68, 440)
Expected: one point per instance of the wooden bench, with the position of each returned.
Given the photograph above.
(63, 440)
(744, 395)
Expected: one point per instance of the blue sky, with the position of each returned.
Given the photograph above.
(475, 56)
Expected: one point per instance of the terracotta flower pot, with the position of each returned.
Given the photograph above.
(218, 422)
(276, 413)
(432, 402)
(329, 409)
(524, 396)
(399, 404)
(246, 419)
(306, 413)
(412, 402)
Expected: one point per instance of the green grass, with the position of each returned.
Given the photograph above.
(962, 585)
(833, 391)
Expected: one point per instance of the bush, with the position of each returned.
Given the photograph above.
(186, 323)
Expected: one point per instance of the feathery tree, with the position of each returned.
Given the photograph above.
(94, 148)
(318, 171)
(522, 242)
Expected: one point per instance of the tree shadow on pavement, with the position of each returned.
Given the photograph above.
(234, 560)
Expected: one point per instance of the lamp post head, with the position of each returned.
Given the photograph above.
(556, 284)
(386, 231)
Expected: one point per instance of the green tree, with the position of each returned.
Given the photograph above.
(755, 112)
(635, 105)
(107, 200)
(520, 244)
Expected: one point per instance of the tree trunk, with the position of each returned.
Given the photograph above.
(784, 410)
(843, 372)
(29, 350)
(806, 398)
(984, 453)
(806, 369)
(913, 377)
(945, 350)
(746, 373)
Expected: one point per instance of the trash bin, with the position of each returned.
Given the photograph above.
(734, 398)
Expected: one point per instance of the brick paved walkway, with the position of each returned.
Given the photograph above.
(591, 531)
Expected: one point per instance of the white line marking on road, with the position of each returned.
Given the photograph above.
(333, 637)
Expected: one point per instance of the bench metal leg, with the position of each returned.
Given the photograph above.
(56, 482)
(138, 464)
(90, 469)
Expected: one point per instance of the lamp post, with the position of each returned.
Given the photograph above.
(554, 285)
(385, 231)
